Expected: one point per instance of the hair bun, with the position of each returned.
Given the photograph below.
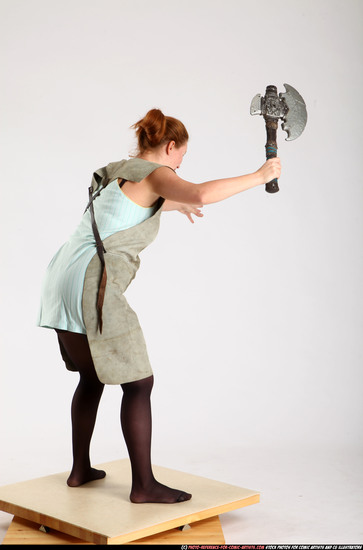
(156, 128)
(153, 124)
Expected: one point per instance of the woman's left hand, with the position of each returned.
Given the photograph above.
(189, 209)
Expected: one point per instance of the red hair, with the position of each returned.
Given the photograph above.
(156, 129)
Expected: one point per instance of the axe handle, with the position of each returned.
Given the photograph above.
(271, 150)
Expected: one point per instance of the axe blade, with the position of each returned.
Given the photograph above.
(256, 105)
(294, 121)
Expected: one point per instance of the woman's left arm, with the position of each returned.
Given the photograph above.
(187, 209)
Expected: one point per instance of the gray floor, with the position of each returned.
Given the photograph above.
(308, 496)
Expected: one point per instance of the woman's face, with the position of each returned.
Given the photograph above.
(176, 154)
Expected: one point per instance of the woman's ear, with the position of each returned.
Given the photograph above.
(170, 147)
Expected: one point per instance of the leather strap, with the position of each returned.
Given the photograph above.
(101, 251)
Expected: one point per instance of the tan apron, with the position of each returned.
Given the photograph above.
(119, 353)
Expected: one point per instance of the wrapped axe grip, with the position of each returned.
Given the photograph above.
(271, 150)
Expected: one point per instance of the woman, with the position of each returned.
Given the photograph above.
(83, 292)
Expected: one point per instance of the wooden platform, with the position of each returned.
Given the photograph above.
(100, 512)
(207, 531)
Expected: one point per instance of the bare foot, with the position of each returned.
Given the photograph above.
(80, 478)
(158, 493)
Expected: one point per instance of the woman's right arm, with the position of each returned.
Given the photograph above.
(167, 184)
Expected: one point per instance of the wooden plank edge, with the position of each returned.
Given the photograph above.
(54, 523)
(183, 520)
(25, 532)
(213, 535)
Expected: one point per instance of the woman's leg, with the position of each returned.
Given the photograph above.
(136, 425)
(84, 407)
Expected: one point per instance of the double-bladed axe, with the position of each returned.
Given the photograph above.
(290, 108)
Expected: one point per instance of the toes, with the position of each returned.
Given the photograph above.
(183, 497)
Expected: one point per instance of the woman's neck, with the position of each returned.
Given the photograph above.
(152, 156)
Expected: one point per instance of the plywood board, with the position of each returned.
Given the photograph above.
(101, 512)
(25, 532)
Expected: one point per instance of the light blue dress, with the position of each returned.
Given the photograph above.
(61, 299)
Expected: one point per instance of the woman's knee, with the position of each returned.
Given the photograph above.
(77, 349)
(90, 384)
(143, 386)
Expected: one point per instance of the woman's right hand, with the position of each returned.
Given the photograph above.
(270, 170)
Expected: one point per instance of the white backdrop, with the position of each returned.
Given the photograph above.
(253, 315)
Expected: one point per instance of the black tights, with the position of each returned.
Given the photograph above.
(135, 421)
